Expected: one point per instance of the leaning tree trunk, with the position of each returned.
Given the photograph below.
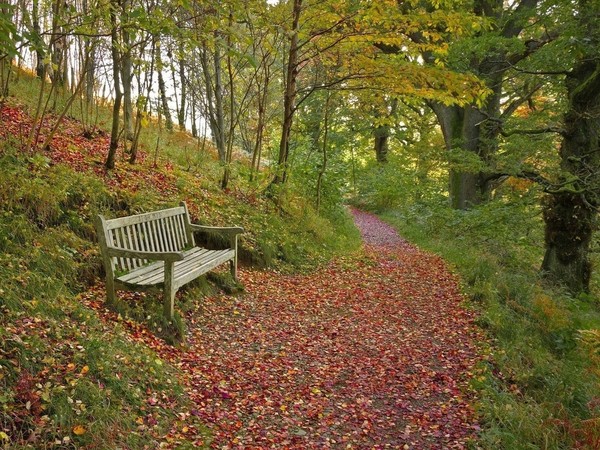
(571, 212)
(127, 74)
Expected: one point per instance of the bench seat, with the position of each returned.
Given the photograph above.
(195, 262)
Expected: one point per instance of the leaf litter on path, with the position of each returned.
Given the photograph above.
(371, 352)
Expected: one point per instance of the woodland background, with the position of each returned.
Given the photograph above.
(472, 126)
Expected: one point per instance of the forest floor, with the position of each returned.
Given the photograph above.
(375, 350)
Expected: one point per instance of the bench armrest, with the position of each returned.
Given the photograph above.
(230, 231)
(152, 256)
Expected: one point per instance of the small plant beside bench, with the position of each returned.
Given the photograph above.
(157, 249)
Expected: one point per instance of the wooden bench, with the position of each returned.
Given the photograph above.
(157, 249)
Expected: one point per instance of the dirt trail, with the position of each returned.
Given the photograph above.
(370, 352)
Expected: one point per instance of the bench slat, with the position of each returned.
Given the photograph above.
(133, 244)
(117, 242)
(181, 225)
(216, 260)
(195, 263)
(177, 234)
(144, 217)
(156, 267)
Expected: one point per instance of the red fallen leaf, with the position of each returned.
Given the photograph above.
(378, 342)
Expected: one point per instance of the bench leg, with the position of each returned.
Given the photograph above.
(233, 262)
(111, 297)
(233, 268)
(169, 294)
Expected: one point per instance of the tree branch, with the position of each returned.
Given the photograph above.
(533, 131)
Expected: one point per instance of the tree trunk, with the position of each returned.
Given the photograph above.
(40, 70)
(182, 107)
(474, 129)
(381, 136)
(164, 108)
(116, 63)
(214, 99)
(229, 149)
(127, 75)
(463, 129)
(57, 45)
(570, 214)
(324, 161)
(289, 98)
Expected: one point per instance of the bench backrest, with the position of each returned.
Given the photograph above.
(167, 230)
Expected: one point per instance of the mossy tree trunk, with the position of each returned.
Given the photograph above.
(466, 129)
(571, 212)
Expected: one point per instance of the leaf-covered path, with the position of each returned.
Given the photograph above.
(374, 351)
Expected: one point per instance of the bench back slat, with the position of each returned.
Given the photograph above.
(158, 231)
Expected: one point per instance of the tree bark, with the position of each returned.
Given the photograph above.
(164, 104)
(214, 99)
(116, 63)
(570, 214)
(183, 81)
(57, 45)
(464, 128)
(289, 98)
(40, 70)
(127, 74)
(475, 129)
(381, 136)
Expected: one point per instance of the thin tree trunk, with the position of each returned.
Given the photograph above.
(162, 90)
(116, 63)
(214, 99)
(289, 98)
(229, 153)
(323, 168)
(57, 45)
(127, 75)
(40, 70)
(183, 105)
(142, 107)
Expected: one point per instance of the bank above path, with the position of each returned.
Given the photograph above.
(373, 351)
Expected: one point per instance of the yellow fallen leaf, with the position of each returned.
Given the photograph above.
(78, 430)
(85, 370)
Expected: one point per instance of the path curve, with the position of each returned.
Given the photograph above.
(373, 351)
(370, 352)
